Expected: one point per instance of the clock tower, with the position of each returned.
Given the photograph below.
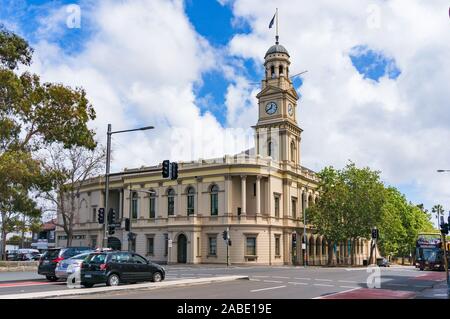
(277, 132)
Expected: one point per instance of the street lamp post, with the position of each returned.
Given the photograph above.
(444, 242)
(109, 133)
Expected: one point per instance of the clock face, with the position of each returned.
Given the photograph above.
(290, 109)
(271, 108)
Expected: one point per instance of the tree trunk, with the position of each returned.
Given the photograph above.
(69, 234)
(3, 248)
(330, 252)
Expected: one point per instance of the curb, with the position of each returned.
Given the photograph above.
(145, 286)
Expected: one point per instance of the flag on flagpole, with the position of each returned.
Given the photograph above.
(272, 21)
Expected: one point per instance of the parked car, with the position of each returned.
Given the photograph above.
(118, 267)
(51, 257)
(12, 255)
(70, 265)
(384, 263)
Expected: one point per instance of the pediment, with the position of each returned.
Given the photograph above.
(268, 90)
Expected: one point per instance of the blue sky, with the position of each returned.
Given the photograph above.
(376, 83)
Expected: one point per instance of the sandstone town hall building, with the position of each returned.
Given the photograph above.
(260, 195)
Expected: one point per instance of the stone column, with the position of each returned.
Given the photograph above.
(258, 195)
(121, 204)
(199, 208)
(243, 194)
(228, 195)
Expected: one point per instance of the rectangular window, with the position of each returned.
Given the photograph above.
(134, 206)
(212, 246)
(251, 246)
(152, 207)
(171, 205)
(254, 189)
(190, 204)
(294, 207)
(277, 206)
(94, 214)
(214, 204)
(150, 246)
(277, 245)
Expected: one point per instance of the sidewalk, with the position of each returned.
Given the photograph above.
(439, 291)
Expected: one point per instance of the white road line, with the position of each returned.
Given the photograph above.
(340, 292)
(401, 285)
(254, 279)
(280, 277)
(323, 285)
(261, 276)
(275, 281)
(349, 281)
(278, 287)
(323, 279)
(297, 283)
(348, 287)
(302, 278)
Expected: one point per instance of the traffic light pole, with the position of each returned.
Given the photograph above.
(108, 158)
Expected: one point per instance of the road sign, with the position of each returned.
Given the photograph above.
(170, 243)
(303, 246)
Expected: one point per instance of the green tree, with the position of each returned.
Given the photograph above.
(349, 206)
(33, 115)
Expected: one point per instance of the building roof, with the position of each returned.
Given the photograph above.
(277, 48)
(50, 225)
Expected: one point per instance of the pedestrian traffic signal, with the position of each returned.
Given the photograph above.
(374, 233)
(111, 229)
(294, 237)
(174, 172)
(112, 216)
(127, 224)
(101, 215)
(166, 169)
(131, 236)
(225, 235)
(444, 228)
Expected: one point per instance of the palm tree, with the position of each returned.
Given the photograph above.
(438, 210)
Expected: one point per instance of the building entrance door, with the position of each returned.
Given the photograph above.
(181, 249)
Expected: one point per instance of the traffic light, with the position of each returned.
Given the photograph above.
(131, 236)
(374, 233)
(174, 173)
(444, 228)
(111, 230)
(166, 169)
(294, 238)
(225, 235)
(101, 215)
(127, 224)
(112, 216)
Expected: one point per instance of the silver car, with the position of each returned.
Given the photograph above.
(68, 266)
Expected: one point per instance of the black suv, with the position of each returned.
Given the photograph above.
(51, 257)
(115, 267)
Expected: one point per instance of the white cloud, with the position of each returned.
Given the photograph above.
(398, 126)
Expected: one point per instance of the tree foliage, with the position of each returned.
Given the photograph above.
(33, 115)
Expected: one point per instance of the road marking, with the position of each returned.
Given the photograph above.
(323, 285)
(340, 292)
(262, 289)
(299, 278)
(440, 295)
(261, 276)
(280, 277)
(254, 279)
(297, 283)
(275, 281)
(348, 287)
(349, 281)
(29, 283)
(401, 285)
(323, 279)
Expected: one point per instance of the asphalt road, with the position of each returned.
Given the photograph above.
(265, 282)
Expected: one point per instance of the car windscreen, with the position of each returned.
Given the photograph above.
(80, 256)
(70, 252)
(51, 254)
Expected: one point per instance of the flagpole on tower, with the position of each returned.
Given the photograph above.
(276, 37)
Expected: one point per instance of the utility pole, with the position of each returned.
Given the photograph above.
(305, 252)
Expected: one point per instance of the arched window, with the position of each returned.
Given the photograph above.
(170, 202)
(293, 151)
(190, 200)
(214, 200)
(134, 205)
(272, 71)
(152, 204)
(280, 69)
(318, 246)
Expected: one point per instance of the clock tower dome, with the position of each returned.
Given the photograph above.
(277, 132)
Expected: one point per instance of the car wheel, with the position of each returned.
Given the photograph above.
(86, 285)
(51, 278)
(113, 280)
(157, 277)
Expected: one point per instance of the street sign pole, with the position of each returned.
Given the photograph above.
(108, 157)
